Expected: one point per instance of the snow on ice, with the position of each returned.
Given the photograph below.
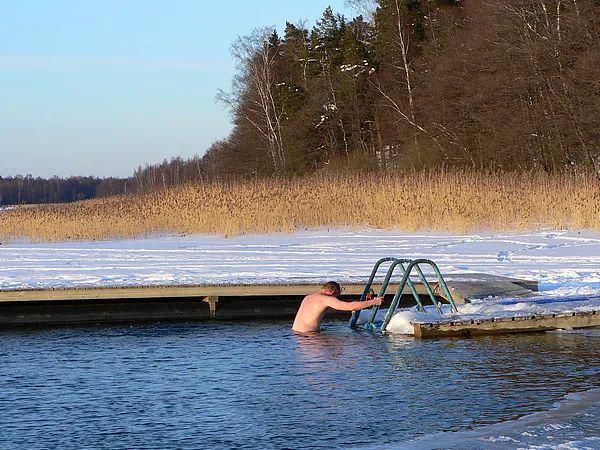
(565, 260)
(565, 263)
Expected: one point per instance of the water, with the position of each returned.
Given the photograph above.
(256, 385)
(570, 424)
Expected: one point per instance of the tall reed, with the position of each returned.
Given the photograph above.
(450, 201)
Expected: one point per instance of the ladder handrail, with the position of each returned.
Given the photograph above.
(406, 280)
(434, 300)
(376, 267)
(384, 286)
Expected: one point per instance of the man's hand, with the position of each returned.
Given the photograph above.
(377, 301)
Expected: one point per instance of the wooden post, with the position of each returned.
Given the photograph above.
(213, 303)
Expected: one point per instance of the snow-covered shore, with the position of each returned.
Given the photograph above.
(557, 259)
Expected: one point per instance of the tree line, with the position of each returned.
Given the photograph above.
(20, 190)
(491, 84)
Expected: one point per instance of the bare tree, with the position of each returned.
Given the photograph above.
(401, 74)
(403, 45)
(542, 29)
(366, 8)
(254, 90)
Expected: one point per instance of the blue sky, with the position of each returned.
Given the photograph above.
(101, 86)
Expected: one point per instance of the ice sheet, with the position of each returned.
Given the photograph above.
(569, 424)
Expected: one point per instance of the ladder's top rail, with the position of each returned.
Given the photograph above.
(416, 262)
(406, 279)
(387, 258)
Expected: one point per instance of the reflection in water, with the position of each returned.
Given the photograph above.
(258, 385)
(323, 346)
(314, 346)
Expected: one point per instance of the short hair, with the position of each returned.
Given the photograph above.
(332, 286)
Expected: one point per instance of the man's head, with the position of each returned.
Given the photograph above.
(331, 288)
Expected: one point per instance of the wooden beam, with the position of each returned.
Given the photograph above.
(463, 288)
(201, 291)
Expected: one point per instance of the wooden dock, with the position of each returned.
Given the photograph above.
(508, 325)
(463, 287)
(217, 302)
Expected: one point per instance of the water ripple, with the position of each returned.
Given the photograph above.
(256, 385)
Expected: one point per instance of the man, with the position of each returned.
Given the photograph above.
(315, 306)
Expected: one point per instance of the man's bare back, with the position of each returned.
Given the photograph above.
(315, 306)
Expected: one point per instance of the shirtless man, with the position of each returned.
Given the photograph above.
(315, 306)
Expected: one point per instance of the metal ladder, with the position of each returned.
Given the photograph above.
(406, 281)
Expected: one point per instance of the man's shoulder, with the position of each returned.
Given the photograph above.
(316, 297)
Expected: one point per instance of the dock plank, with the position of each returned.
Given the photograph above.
(463, 288)
(154, 292)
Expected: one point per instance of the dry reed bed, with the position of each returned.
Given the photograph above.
(455, 202)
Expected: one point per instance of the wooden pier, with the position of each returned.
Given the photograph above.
(94, 305)
(508, 325)
(216, 302)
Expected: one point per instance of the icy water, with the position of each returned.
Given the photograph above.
(256, 385)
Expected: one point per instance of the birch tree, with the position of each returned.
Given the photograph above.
(254, 94)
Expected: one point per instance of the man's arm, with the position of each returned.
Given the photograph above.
(334, 303)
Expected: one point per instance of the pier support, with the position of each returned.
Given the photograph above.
(213, 303)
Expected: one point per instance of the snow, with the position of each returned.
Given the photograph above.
(565, 263)
(552, 302)
(568, 261)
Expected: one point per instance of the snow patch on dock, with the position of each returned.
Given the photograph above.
(537, 305)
